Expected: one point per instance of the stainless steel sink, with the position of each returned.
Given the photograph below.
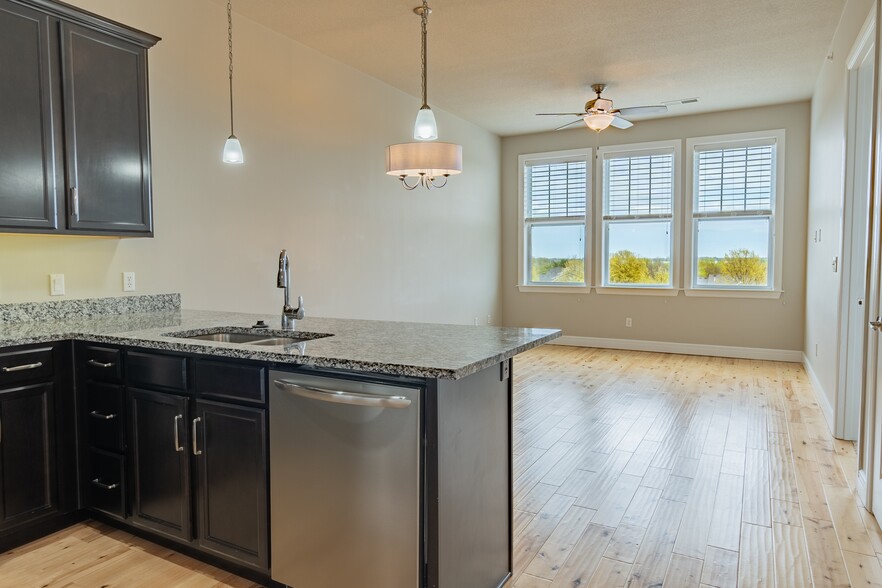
(229, 337)
(278, 341)
(265, 339)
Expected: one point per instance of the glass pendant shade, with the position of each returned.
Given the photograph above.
(424, 159)
(598, 122)
(233, 151)
(425, 128)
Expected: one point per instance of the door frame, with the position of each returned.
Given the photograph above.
(843, 426)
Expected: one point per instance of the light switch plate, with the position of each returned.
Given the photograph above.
(56, 284)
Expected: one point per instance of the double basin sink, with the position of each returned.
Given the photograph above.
(238, 336)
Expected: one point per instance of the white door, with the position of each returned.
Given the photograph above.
(854, 242)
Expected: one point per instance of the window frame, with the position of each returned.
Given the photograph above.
(524, 225)
(776, 218)
(602, 238)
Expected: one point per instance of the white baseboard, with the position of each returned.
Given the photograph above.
(820, 394)
(682, 348)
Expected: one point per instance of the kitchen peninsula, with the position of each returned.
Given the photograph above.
(387, 441)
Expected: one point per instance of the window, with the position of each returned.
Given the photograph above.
(736, 231)
(554, 190)
(640, 184)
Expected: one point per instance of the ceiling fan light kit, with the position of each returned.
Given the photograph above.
(599, 113)
(424, 163)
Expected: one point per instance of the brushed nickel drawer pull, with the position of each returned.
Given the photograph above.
(103, 417)
(178, 446)
(99, 364)
(196, 450)
(21, 368)
(102, 485)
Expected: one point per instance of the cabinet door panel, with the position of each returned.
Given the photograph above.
(232, 482)
(108, 146)
(160, 472)
(26, 453)
(31, 171)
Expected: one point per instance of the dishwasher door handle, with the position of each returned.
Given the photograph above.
(341, 397)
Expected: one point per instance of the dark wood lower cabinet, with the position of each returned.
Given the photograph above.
(160, 465)
(230, 455)
(27, 463)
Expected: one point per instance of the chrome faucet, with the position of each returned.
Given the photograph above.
(289, 313)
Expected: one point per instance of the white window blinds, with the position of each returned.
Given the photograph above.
(735, 179)
(639, 185)
(555, 189)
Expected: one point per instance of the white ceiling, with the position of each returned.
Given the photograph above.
(498, 62)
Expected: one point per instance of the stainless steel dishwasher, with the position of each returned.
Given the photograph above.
(344, 483)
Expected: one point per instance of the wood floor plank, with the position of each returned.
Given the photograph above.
(757, 505)
(560, 543)
(625, 543)
(791, 556)
(610, 573)
(725, 528)
(720, 568)
(683, 572)
(651, 563)
(537, 532)
(756, 565)
(692, 538)
(825, 558)
(585, 557)
(864, 570)
(850, 529)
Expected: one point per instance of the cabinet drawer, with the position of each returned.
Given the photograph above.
(101, 363)
(105, 415)
(24, 366)
(225, 381)
(107, 483)
(153, 370)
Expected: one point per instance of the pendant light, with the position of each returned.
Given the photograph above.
(232, 148)
(429, 163)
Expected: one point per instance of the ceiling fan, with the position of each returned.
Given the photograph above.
(600, 114)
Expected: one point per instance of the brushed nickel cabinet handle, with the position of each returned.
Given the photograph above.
(196, 450)
(99, 364)
(103, 417)
(102, 485)
(178, 446)
(21, 368)
(75, 196)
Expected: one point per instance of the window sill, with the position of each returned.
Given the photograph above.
(637, 291)
(723, 293)
(555, 289)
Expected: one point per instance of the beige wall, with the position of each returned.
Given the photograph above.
(314, 133)
(826, 189)
(765, 324)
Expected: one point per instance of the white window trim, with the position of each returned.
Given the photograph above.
(777, 239)
(599, 244)
(573, 155)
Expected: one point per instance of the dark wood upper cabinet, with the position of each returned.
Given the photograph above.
(108, 144)
(31, 168)
(74, 114)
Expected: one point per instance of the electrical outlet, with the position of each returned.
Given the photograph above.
(488, 319)
(56, 284)
(476, 321)
(628, 322)
(128, 281)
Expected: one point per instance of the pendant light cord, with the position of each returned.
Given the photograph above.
(424, 16)
(230, 46)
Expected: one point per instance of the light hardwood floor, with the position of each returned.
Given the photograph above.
(639, 469)
(631, 469)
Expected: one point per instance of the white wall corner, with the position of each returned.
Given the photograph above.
(789, 355)
(820, 393)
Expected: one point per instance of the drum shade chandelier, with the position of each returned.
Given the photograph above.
(426, 162)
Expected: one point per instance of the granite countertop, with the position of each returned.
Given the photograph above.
(399, 348)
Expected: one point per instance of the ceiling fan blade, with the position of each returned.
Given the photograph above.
(641, 110)
(561, 113)
(569, 124)
(620, 123)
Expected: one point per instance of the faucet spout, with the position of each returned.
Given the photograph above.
(283, 280)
